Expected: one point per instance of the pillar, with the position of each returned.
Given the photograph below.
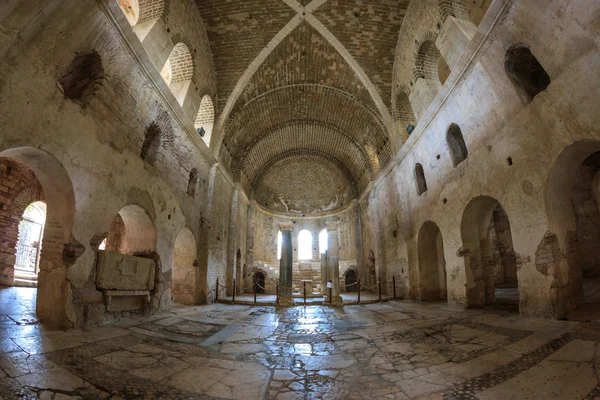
(285, 264)
(333, 266)
(249, 243)
(454, 38)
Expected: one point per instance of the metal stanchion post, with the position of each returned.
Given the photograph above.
(394, 281)
(217, 292)
(304, 283)
(254, 285)
(233, 302)
(379, 284)
(277, 294)
(358, 302)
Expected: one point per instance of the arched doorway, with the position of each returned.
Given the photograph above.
(29, 244)
(183, 288)
(351, 279)
(131, 232)
(432, 264)
(570, 251)
(259, 279)
(490, 260)
(40, 178)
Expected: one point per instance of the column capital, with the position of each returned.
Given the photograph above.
(286, 226)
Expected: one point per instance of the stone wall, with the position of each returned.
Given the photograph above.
(99, 143)
(512, 144)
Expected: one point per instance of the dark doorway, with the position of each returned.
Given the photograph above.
(351, 280)
(259, 278)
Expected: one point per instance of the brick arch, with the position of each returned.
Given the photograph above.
(312, 103)
(206, 117)
(151, 10)
(307, 135)
(426, 59)
(454, 8)
(178, 71)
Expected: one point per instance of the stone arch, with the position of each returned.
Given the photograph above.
(373, 157)
(420, 181)
(569, 250)
(184, 268)
(206, 118)
(456, 144)
(490, 259)
(82, 78)
(178, 71)
(132, 231)
(432, 263)
(525, 72)
(59, 248)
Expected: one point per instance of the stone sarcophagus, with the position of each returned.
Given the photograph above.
(120, 275)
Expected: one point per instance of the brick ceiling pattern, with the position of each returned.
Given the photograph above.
(287, 184)
(301, 91)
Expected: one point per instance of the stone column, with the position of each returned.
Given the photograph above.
(247, 281)
(324, 272)
(333, 265)
(454, 38)
(285, 264)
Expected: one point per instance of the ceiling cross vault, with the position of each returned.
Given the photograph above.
(308, 84)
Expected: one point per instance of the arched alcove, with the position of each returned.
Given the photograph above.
(206, 118)
(420, 181)
(427, 62)
(432, 263)
(131, 231)
(490, 260)
(404, 114)
(569, 251)
(525, 72)
(183, 289)
(350, 281)
(373, 157)
(260, 280)
(48, 181)
(178, 71)
(456, 144)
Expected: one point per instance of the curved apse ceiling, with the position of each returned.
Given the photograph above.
(304, 92)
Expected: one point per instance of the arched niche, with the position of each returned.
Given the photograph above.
(178, 71)
(432, 263)
(525, 72)
(184, 289)
(205, 120)
(131, 231)
(490, 258)
(456, 144)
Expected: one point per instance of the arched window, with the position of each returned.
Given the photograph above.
(206, 118)
(456, 145)
(304, 245)
(323, 245)
(31, 231)
(192, 182)
(142, 14)
(279, 242)
(420, 179)
(428, 65)
(525, 71)
(178, 71)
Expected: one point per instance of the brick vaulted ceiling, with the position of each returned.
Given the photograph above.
(303, 96)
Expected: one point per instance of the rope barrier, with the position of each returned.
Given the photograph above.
(352, 284)
(363, 286)
(257, 284)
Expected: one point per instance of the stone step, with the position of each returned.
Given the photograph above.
(20, 282)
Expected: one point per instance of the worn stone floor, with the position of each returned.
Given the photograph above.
(393, 350)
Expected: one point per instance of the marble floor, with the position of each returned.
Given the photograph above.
(392, 350)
